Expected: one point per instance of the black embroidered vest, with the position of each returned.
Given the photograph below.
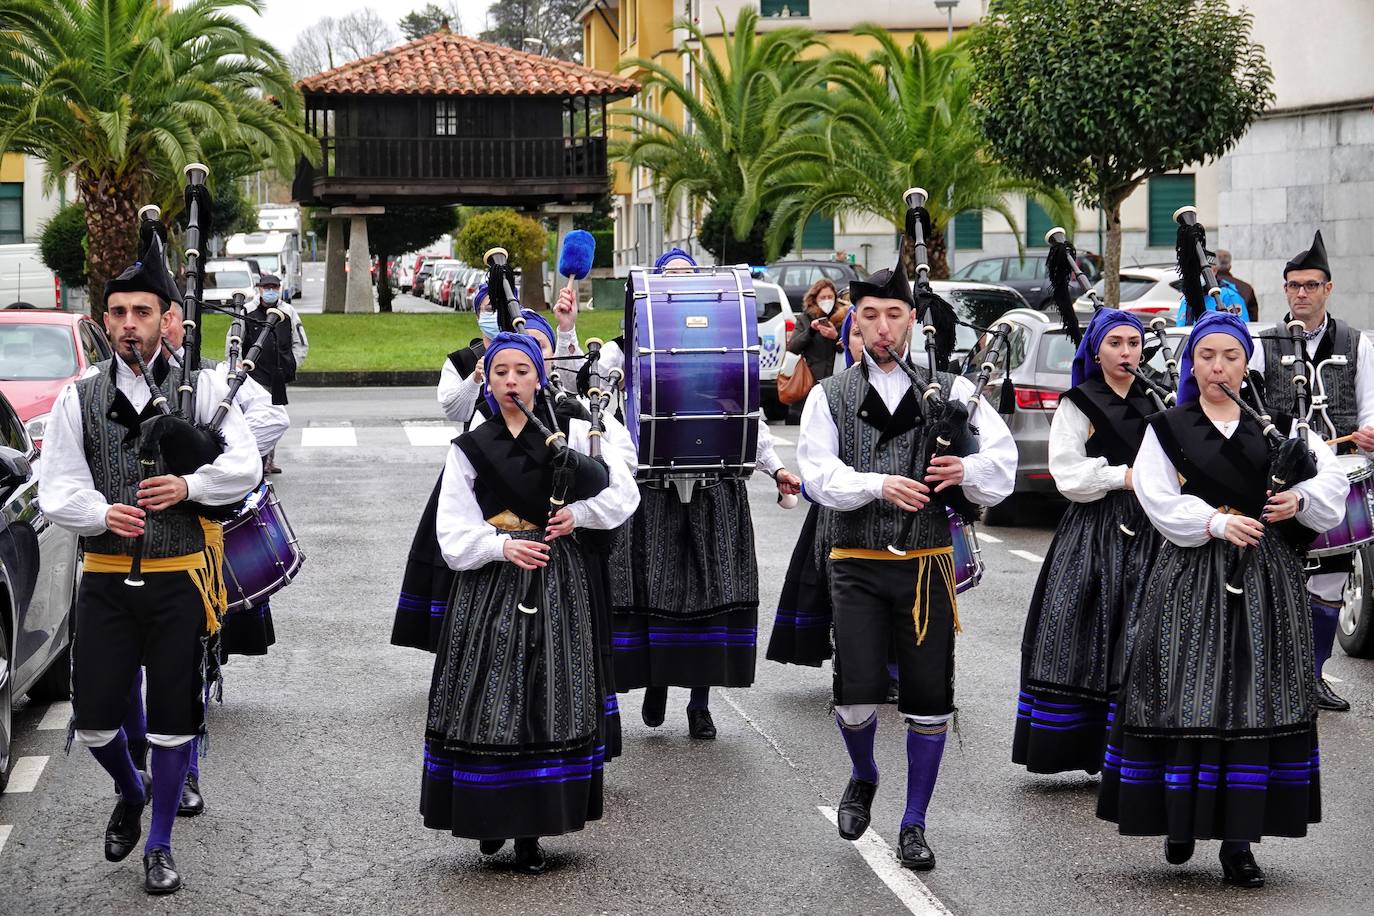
(1342, 403)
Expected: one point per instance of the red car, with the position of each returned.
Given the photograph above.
(40, 351)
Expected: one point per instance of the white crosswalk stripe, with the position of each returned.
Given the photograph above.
(991, 539)
(4, 835)
(1027, 555)
(329, 437)
(24, 774)
(57, 717)
(428, 434)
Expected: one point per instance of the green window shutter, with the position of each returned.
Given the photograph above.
(785, 7)
(818, 233)
(968, 230)
(11, 212)
(1167, 194)
(1037, 224)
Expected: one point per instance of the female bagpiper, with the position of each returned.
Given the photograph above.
(1215, 735)
(512, 738)
(1073, 649)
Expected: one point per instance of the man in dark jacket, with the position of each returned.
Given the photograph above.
(1247, 292)
(276, 364)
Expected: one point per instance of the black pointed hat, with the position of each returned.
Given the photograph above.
(1313, 258)
(147, 275)
(885, 284)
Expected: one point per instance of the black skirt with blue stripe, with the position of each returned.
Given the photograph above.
(802, 626)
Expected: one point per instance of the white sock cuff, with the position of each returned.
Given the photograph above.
(854, 716)
(169, 741)
(93, 738)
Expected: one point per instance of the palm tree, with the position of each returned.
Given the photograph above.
(893, 119)
(729, 127)
(122, 94)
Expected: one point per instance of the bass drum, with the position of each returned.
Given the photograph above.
(261, 553)
(968, 557)
(692, 372)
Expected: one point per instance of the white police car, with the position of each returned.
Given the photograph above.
(776, 322)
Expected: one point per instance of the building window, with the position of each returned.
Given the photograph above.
(785, 8)
(968, 230)
(818, 233)
(1037, 224)
(1167, 194)
(11, 212)
(446, 118)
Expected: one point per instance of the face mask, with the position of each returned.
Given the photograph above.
(270, 296)
(825, 305)
(487, 324)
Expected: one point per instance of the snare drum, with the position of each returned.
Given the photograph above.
(968, 559)
(261, 555)
(1357, 528)
(692, 372)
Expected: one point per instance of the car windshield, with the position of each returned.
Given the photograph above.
(227, 279)
(981, 307)
(36, 351)
(267, 263)
(1056, 353)
(1132, 288)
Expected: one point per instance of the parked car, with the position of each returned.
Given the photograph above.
(796, 277)
(976, 303)
(776, 322)
(448, 278)
(1151, 290)
(37, 586)
(1025, 275)
(224, 278)
(473, 278)
(40, 352)
(432, 286)
(25, 278)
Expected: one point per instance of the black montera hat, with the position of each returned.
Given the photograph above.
(885, 284)
(150, 275)
(1313, 258)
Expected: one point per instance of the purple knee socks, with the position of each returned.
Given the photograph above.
(114, 757)
(1325, 619)
(924, 748)
(858, 740)
(136, 724)
(169, 775)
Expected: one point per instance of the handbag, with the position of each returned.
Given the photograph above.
(793, 387)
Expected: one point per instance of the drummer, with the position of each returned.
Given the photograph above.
(694, 618)
(1349, 391)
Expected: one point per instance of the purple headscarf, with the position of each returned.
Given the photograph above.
(1209, 323)
(507, 341)
(537, 322)
(845, 328)
(1103, 322)
(478, 297)
(673, 254)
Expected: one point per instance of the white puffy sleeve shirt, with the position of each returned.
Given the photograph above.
(457, 395)
(1080, 478)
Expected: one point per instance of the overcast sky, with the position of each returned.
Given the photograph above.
(283, 20)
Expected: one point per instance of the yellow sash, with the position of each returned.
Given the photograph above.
(943, 558)
(206, 569)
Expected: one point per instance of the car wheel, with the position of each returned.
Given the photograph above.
(1355, 628)
(6, 707)
(1005, 514)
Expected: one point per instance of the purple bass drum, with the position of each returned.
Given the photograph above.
(261, 553)
(1357, 528)
(692, 372)
(968, 558)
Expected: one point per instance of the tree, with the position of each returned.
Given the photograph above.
(62, 244)
(895, 118)
(717, 235)
(523, 238)
(333, 42)
(717, 158)
(548, 27)
(429, 18)
(402, 229)
(1099, 97)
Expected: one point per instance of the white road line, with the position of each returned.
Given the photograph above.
(24, 774)
(426, 434)
(911, 890)
(777, 748)
(1332, 678)
(329, 436)
(1026, 555)
(57, 717)
(4, 835)
(991, 539)
(779, 440)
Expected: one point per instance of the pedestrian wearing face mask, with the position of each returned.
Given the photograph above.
(276, 364)
(817, 336)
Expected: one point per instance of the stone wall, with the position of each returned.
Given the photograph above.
(1289, 176)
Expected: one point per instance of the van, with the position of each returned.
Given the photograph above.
(224, 278)
(25, 278)
(276, 253)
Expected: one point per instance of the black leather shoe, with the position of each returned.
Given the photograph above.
(655, 705)
(191, 801)
(1327, 698)
(160, 872)
(490, 847)
(700, 724)
(123, 831)
(913, 850)
(856, 804)
(1241, 870)
(529, 858)
(1176, 852)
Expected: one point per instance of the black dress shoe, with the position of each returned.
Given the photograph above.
(191, 801)
(490, 847)
(1176, 852)
(1241, 870)
(529, 858)
(913, 850)
(1327, 698)
(700, 724)
(160, 872)
(856, 805)
(123, 830)
(655, 705)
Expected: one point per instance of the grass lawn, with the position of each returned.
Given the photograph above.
(398, 341)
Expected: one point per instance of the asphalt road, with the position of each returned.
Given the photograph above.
(312, 781)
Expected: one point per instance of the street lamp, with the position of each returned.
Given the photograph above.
(948, 6)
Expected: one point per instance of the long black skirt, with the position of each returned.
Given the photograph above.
(1215, 731)
(801, 628)
(248, 631)
(1074, 646)
(694, 618)
(513, 739)
(426, 584)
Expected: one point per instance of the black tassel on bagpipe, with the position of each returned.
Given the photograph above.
(1194, 268)
(1060, 263)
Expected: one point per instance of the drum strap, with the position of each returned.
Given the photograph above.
(205, 567)
(931, 560)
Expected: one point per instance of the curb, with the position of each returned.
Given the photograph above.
(367, 379)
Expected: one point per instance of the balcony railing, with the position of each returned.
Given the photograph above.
(449, 158)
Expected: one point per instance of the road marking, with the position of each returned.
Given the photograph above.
(428, 434)
(1026, 555)
(991, 539)
(329, 436)
(911, 890)
(779, 440)
(57, 717)
(4, 835)
(25, 773)
(1332, 678)
(777, 748)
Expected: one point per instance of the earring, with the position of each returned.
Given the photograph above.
(1097, 359)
